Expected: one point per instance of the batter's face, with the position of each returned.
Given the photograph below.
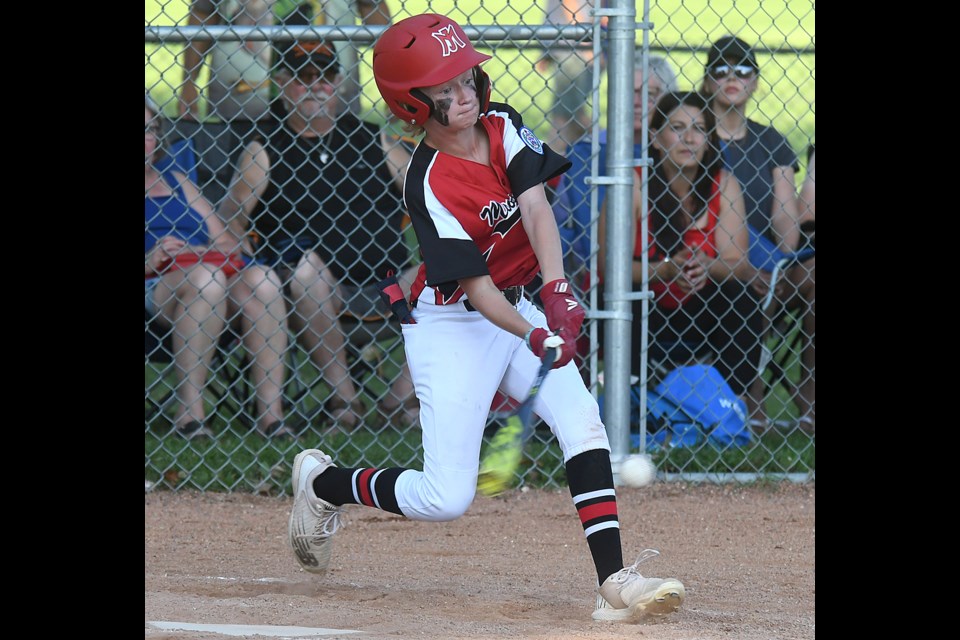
(455, 102)
(312, 93)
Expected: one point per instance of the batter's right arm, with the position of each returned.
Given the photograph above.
(489, 301)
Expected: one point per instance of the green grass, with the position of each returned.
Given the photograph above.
(772, 453)
(241, 460)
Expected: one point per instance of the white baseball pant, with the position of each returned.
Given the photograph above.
(458, 360)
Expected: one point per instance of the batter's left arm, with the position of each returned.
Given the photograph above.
(490, 302)
(541, 227)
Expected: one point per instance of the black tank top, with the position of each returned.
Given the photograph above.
(333, 195)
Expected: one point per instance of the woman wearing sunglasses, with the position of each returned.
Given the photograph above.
(765, 165)
(759, 156)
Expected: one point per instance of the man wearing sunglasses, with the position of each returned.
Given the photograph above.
(322, 198)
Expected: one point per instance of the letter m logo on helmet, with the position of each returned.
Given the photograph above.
(449, 40)
(405, 60)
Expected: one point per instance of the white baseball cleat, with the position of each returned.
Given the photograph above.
(627, 596)
(313, 521)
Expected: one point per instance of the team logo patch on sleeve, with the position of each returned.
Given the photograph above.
(531, 140)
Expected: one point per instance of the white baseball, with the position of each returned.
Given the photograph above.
(637, 471)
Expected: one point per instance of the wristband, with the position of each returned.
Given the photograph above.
(526, 338)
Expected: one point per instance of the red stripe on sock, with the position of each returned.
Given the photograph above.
(597, 510)
(366, 496)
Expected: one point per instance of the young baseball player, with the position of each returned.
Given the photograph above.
(474, 191)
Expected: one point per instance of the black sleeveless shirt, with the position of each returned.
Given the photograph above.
(333, 195)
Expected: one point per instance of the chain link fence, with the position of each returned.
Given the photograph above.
(237, 381)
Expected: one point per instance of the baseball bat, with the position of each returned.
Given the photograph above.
(499, 466)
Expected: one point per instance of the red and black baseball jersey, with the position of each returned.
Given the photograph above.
(466, 215)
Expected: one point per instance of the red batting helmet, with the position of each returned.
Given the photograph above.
(422, 51)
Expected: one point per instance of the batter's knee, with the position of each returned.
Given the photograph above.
(453, 507)
(435, 502)
(451, 502)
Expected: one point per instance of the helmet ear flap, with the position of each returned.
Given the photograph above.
(422, 97)
(482, 80)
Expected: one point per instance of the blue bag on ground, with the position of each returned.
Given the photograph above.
(667, 424)
(690, 403)
(672, 426)
(700, 392)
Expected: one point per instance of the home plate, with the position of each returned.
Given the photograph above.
(272, 631)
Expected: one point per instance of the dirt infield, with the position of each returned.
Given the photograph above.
(513, 567)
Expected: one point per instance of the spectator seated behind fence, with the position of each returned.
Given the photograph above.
(338, 12)
(697, 248)
(572, 78)
(239, 72)
(195, 282)
(572, 204)
(238, 89)
(765, 165)
(325, 210)
(803, 280)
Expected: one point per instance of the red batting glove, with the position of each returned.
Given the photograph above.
(569, 348)
(539, 340)
(561, 308)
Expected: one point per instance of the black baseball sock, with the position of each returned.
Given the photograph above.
(590, 477)
(370, 487)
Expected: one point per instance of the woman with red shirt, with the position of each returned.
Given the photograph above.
(697, 248)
